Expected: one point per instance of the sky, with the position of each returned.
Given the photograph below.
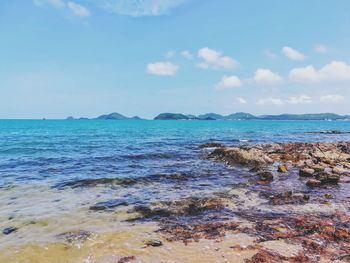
(62, 58)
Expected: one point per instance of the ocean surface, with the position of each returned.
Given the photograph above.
(48, 167)
(47, 152)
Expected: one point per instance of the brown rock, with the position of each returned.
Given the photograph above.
(313, 183)
(340, 170)
(306, 172)
(342, 234)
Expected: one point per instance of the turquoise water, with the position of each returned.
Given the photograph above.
(54, 151)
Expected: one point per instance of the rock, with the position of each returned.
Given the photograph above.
(9, 230)
(289, 198)
(318, 168)
(328, 196)
(126, 259)
(76, 236)
(282, 169)
(313, 183)
(328, 178)
(340, 170)
(265, 176)
(306, 172)
(108, 205)
(147, 212)
(153, 242)
(242, 156)
(342, 234)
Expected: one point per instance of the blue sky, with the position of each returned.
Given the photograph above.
(143, 57)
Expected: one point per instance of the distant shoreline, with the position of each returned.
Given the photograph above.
(234, 116)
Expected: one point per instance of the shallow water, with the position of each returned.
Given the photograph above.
(41, 163)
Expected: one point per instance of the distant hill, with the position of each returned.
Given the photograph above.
(248, 116)
(172, 116)
(211, 115)
(215, 116)
(111, 116)
(241, 116)
(317, 116)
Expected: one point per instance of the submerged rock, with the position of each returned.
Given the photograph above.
(95, 182)
(9, 230)
(266, 176)
(189, 206)
(108, 205)
(76, 236)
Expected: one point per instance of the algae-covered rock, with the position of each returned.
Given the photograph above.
(328, 178)
(153, 242)
(282, 168)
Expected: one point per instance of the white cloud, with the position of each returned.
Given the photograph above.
(334, 71)
(55, 3)
(187, 54)
(241, 100)
(319, 48)
(162, 68)
(302, 99)
(332, 98)
(229, 82)
(138, 8)
(78, 10)
(266, 76)
(270, 101)
(293, 54)
(214, 59)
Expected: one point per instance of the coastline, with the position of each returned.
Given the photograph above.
(276, 215)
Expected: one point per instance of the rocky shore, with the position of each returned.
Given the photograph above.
(322, 163)
(283, 202)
